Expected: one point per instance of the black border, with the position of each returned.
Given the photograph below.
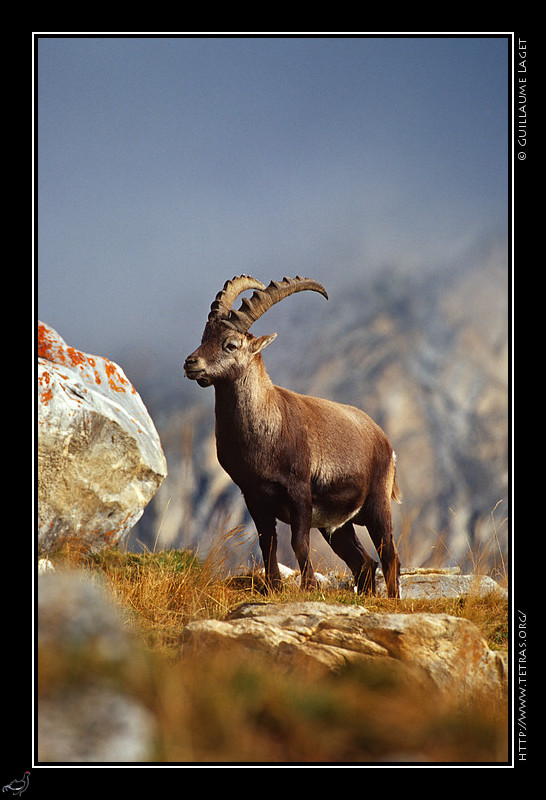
(19, 748)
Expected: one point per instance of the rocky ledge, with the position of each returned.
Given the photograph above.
(440, 650)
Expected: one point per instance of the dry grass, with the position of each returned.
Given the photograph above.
(233, 708)
(167, 589)
(238, 710)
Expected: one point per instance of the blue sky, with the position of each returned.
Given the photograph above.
(166, 165)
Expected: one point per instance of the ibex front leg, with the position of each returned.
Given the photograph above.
(300, 524)
(266, 526)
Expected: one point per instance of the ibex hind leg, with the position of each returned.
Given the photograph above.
(346, 544)
(376, 516)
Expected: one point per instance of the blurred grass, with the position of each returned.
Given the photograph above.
(230, 707)
(237, 709)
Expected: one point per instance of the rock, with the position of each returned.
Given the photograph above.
(75, 613)
(446, 652)
(87, 711)
(415, 584)
(93, 725)
(100, 460)
(424, 583)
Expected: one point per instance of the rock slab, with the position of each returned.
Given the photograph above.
(100, 459)
(446, 652)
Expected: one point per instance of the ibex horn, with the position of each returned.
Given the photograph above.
(221, 305)
(263, 298)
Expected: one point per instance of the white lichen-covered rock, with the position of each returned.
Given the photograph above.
(100, 459)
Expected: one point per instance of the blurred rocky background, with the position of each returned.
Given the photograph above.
(426, 357)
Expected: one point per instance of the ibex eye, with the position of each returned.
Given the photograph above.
(231, 346)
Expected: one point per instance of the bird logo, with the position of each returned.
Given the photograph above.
(17, 787)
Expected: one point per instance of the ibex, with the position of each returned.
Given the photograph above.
(303, 460)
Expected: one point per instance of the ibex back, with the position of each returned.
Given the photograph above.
(303, 460)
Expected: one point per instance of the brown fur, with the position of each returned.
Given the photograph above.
(303, 460)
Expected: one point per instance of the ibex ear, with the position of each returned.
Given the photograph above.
(262, 341)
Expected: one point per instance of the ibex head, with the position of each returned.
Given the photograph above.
(226, 346)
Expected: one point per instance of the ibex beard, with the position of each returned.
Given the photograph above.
(308, 462)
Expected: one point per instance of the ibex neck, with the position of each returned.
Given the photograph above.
(246, 394)
(245, 407)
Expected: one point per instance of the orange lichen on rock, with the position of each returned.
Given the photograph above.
(93, 368)
(46, 394)
(112, 373)
(101, 459)
(76, 357)
(45, 342)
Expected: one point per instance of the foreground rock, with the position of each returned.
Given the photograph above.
(100, 460)
(447, 652)
(87, 712)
